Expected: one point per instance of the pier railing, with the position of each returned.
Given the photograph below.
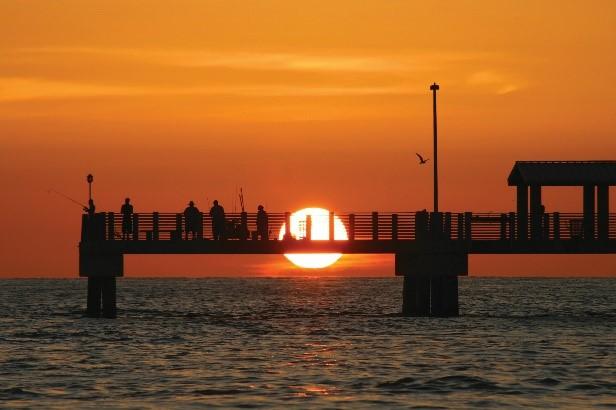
(422, 225)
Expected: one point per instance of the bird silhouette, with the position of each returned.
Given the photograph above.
(421, 159)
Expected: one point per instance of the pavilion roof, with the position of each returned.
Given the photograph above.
(563, 173)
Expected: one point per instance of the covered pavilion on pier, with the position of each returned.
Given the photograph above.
(595, 177)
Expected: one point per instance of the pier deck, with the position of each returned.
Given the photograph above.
(431, 248)
(369, 233)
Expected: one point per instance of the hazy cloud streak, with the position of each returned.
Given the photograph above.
(500, 83)
(403, 62)
(400, 66)
(21, 89)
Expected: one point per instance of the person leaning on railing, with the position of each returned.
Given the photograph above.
(262, 224)
(192, 218)
(217, 212)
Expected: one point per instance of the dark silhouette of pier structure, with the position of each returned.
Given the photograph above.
(431, 248)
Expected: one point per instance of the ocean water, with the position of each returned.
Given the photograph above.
(308, 342)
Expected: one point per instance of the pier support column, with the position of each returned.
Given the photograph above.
(431, 283)
(522, 211)
(416, 295)
(94, 298)
(101, 267)
(536, 214)
(444, 296)
(101, 297)
(108, 289)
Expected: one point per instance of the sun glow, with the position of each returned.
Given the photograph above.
(319, 231)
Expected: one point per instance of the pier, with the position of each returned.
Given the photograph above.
(431, 248)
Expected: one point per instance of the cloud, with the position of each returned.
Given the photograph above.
(497, 82)
(402, 62)
(19, 89)
(23, 89)
(274, 61)
(401, 74)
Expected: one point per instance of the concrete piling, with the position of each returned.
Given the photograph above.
(430, 286)
(108, 292)
(101, 297)
(101, 268)
(444, 296)
(94, 298)
(416, 295)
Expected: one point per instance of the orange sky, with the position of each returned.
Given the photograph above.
(302, 103)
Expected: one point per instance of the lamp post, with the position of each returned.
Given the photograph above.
(434, 88)
(90, 179)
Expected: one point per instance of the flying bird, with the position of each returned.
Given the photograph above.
(421, 159)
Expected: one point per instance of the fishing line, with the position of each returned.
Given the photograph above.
(68, 198)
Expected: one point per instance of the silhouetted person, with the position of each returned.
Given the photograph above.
(90, 209)
(127, 219)
(262, 224)
(217, 213)
(192, 221)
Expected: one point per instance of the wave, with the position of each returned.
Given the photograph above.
(549, 316)
(217, 392)
(16, 393)
(441, 384)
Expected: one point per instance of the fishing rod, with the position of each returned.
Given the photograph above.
(68, 198)
(242, 199)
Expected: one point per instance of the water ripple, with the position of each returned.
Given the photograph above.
(318, 343)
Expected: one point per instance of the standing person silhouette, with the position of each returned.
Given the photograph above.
(217, 213)
(262, 224)
(93, 231)
(192, 218)
(127, 219)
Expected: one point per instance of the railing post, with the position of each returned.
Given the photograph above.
(155, 226)
(436, 225)
(287, 225)
(352, 227)
(503, 227)
(394, 227)
(536, 212)
(421, 225)
(99, 226)
(85, 228)
(309, 227)
(546, 227)
(460, 227)
(556, 217)
(243, 224)
(135, 227)
(200, 226)
(331, 226)
(603, 212)
(375, 226)
(447, 225)
(110, 226)
(512, 225)
(468, 226)
(178, 227)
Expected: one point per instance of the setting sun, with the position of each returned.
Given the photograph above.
(319, 231)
